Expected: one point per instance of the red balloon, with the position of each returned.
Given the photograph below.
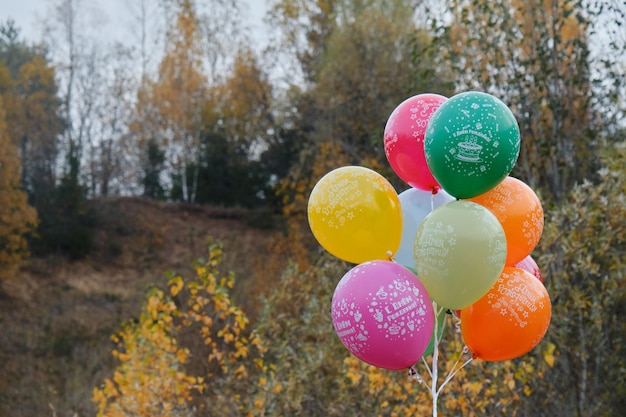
(510, 319)
(528, 264)
(404, 140)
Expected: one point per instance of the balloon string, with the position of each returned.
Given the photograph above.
(456, 369)
(435, 365)
(414, 374)
(433, 370)
(457, 326)
(432, 201)
(430, 374)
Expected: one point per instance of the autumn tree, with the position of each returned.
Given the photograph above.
(243, 103)
(300, 31)
(210, 113)
(33, 112)
(35, 123)
(17, 218)
(208, 110)
(355, 60)
(172, 104)
(240, 143)
(582, 255)
(537, 57)
(364, 72)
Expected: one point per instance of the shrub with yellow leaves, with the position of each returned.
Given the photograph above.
(190, 350)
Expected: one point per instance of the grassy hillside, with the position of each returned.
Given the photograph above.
(56, 317)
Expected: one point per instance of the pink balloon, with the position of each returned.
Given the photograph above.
(383, 314)
(404, 140)
(528, 264)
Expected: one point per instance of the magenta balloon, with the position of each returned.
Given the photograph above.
(383, 315)
(404, 140)
(528, 264)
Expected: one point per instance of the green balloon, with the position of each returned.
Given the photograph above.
(471, 144)
(460, 251)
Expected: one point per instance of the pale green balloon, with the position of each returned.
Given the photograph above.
(460, 250)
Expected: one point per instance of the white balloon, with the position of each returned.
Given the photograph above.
(416, 205)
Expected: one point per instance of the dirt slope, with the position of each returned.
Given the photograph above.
(56, 317)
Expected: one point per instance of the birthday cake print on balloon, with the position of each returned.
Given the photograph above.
(468, 151)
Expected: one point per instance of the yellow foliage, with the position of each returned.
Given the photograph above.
(548, 354)
(152, 378)
(17, 218)
(277, 388)
(175, 284)
(146, 383)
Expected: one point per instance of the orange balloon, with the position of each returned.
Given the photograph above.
(519, 211)
(510, 319)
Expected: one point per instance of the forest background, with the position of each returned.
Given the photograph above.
(115, 169)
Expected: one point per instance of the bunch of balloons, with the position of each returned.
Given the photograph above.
(459, 238)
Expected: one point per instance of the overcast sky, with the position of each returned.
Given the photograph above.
(29, 15)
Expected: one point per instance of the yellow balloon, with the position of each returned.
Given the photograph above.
(355, 214)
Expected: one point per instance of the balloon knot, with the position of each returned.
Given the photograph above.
(435, 189)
